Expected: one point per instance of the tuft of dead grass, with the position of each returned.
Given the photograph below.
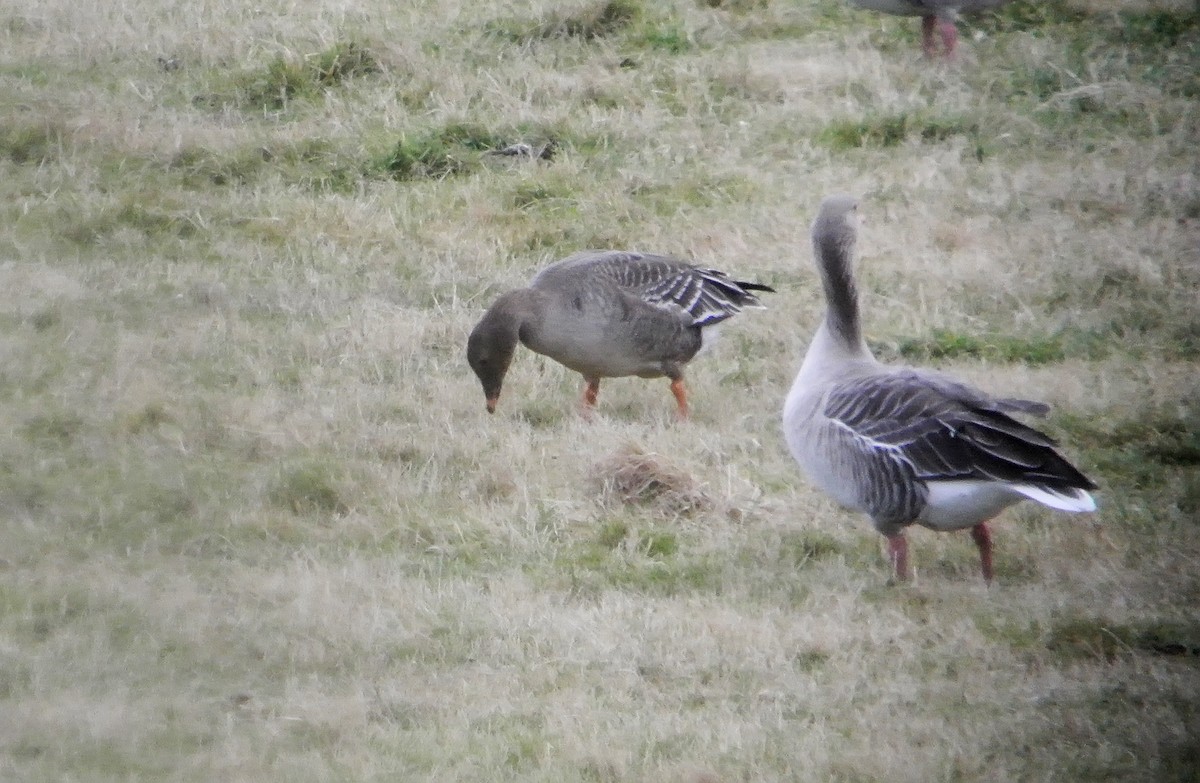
(635, 477)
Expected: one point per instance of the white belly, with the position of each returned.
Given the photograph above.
(954, 505)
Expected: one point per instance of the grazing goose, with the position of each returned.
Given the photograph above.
(909, 446)
(606, 314)
(937, 17)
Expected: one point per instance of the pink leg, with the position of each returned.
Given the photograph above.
(590, 392)
(949, 31)
(898, 555)
(680, 393)
(983, 540)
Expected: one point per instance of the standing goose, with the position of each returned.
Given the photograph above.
(606, 314)
(909, 446)
(938, 17)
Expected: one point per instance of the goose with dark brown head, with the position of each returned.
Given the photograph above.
(607, 314)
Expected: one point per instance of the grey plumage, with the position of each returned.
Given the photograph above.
(609, 313)
(909, 446)
(708, 296)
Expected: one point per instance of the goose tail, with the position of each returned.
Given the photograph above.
(1068, 499)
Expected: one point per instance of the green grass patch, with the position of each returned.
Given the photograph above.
(1167, 435)
(1158, 29)
(1037, 16)
(1091, 637)
(666, 197)
(587, 573)
(56, 428)
(800, 548)
(155, 216)
(946, 344)
(274, 86)
(341, 62)
(323, 165)
(540, 194)
(666, 37)
(462, 147)
(30, 142)
(454, 149)
(308, 488)
(893, 129)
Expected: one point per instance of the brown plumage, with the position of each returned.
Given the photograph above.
(608, 313)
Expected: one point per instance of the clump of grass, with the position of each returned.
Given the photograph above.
(460, 148)
(60, 427)
(30, 142)
(341, 62)
(146, 213)
(634, 477)
(270, 89)
(202, 166)
(286, 79)
(45, 318)
(891, 130)
(441, 152)
(598, 19)
(148, 418)
(1157, 28)
(806, 546)
(316, 163)
(616, 534)
(666, 37)
(531, 194)
(308, 488)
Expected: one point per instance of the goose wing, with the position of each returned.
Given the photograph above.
(943, 429)
(708, 296)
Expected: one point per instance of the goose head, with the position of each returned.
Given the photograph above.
(493, 342)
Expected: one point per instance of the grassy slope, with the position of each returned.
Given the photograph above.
(256, 524)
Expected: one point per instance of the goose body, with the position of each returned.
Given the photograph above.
(939, 18)
(609, 313)
(910, 446)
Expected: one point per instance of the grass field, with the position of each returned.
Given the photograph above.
(255, 523)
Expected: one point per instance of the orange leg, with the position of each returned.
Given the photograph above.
(898, 555)
(680, 393)
(983, 540)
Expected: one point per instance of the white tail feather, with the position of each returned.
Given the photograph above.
(1074, 500)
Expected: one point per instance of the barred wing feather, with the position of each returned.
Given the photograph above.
(707, 295)
(946, 430)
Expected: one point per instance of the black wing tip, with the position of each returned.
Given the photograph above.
(745, 286)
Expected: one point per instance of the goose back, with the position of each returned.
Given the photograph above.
(613, 313)
(880, 441)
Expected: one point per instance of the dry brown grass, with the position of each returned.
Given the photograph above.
(257, 525)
